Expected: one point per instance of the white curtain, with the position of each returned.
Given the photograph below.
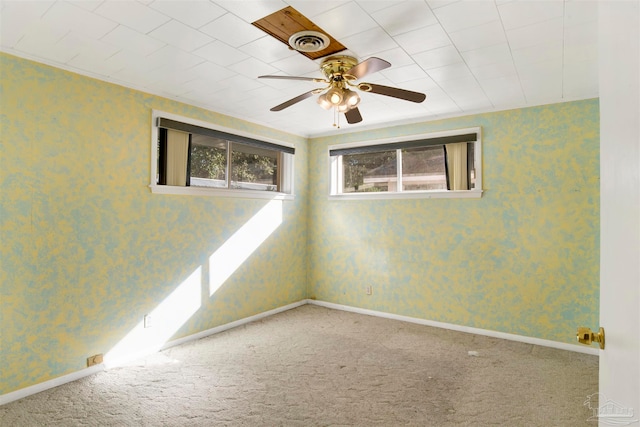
(177, 157)
(457, 166)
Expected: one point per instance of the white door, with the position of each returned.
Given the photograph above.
(619, 77)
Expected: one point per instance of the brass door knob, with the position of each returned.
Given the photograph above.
(586, 336)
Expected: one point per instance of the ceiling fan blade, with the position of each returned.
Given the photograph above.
(368, 66)
(353, 116)
(295, 100)
(309, 79)
(394, 92)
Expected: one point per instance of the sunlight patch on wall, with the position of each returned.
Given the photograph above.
(167, 317)
(235, 251)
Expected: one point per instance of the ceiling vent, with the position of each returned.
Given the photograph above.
(298, 33)
(309, 41)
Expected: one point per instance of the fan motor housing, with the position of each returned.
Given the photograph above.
(337, 67)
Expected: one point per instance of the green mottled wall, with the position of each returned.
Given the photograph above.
(87, 249)
(523, 259)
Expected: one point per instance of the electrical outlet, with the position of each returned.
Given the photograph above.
(369, 290)
(148, 321)
(96, 359)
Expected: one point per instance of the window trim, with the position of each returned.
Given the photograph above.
(335, 178)
(287, 163)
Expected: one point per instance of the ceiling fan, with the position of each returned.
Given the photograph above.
(341, 73)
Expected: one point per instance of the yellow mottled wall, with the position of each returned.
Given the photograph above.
(523, 259)
(87, 250)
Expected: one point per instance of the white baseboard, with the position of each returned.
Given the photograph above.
(37, 388)
(477, 331)
(46, 385)
(231, 325)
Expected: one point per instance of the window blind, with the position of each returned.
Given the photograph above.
(186, 127)
(442, 140)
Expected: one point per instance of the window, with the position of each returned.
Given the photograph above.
(192, 157)
(444, 164)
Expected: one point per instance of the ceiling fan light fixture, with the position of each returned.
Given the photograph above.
(324, 102)
(352, 98)
(335, 96)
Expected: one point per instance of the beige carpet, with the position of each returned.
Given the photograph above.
(313, 366)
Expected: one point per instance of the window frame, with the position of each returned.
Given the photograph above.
(335, 169)
(287, 166)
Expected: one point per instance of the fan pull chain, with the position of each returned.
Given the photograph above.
(336, 118)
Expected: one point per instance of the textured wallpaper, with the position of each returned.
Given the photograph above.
(87, 250)
(523, 259)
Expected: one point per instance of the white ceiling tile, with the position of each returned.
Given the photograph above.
(370, 41)
(550, 68)
(253, 68)
(251, 10)
(173, 57)
(579, 53)
(126, 38)
(73, 42)
(267, 49)
(68, 16)
(435, 4)
(487, 55)
(404, 16)
(466, 14)
(504, 91)
(127, 60)
(472, 103)
(297, 65)
(420, 85)
(542, 89)
(40, 41)
(203, 85)
(89, 5)
(578, 12)
(192, 13)
(220, 53)
(580, 79)
(210, 71)
(232, 30)
(439, 57)
(313, 8)
(442, 105)
(450, 72)
(404, 74)
(93, 63)
(17, 17)
(132, 14)
(180, 35)
(471, 69)
(423, 39)
(494, 70)
(531, 35)
(466, 83)
(538, 53)
(581, 34)
(371, 6)
(345, 21)
(241, 83)
(522, 13)
(397, 57)
(132, 75)
(484, 35)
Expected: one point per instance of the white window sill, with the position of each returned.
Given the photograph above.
(436, 194)
(219, 192)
